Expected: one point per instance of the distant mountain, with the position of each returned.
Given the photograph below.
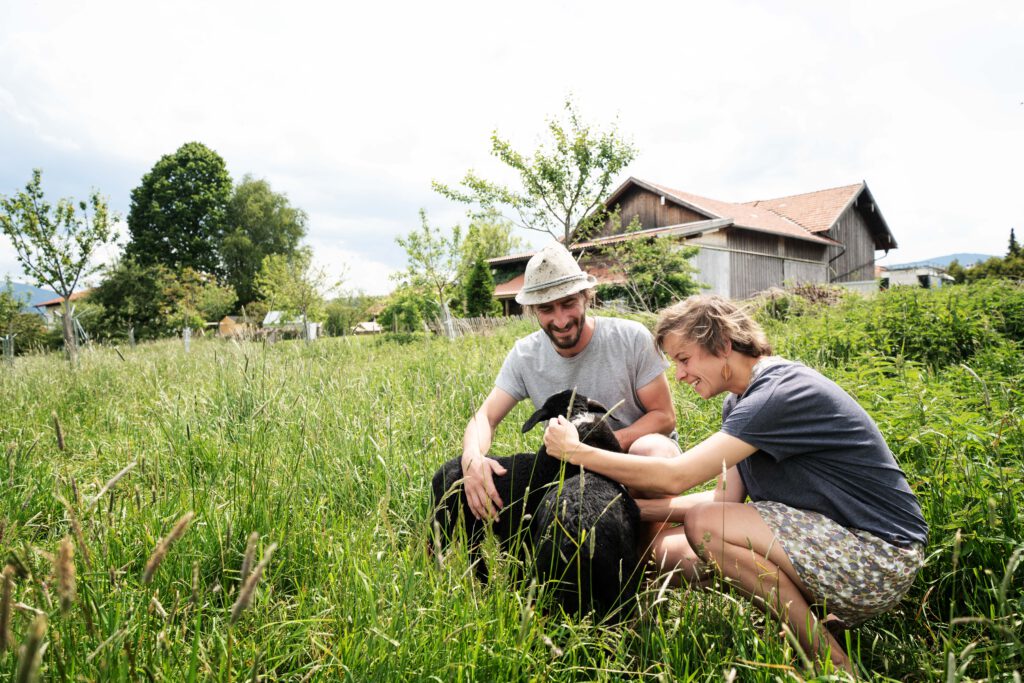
(31, 295)
(942, 261)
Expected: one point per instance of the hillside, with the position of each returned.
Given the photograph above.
(964, 259)
(29, 294)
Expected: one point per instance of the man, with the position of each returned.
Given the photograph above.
(606, 359)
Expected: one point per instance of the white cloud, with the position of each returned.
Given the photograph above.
(353, 109)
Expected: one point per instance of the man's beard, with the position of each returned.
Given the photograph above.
(572, 341)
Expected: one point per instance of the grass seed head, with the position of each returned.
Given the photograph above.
(248, 561)
(195, 583)
(164, 545)
(249, 587)
(28, 661)
(65, 570)
(113, 482)
(76, 527)
(58, 430)
(6, 600)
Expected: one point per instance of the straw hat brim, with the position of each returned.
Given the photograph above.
(543, 295)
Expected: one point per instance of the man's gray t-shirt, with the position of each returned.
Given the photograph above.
(820, 451)
(619, 359)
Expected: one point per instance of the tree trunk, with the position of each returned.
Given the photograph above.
(70, 343)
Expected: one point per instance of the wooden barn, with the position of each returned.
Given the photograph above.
(827, 236)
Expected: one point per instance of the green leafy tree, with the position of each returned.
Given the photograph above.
(433, 263)
(26, 329)
(156, 302)
(1009, 267)
(197, 298)
(561, 186)
(260, 222)
(30, 333)
(135, 296)
(55, 244)
(10, 305)
(488, 236)
(406, 309)
(478, 291)
(344, 312)
(178, 214)
(956, 271)
(292, 284)
(656, 271)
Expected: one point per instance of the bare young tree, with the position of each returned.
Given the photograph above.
(55, 244)
(561, 186)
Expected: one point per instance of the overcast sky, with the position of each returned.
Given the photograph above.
(351, 109)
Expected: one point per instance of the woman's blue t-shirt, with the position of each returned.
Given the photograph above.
(819, 450)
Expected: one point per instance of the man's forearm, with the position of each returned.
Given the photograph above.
(476, 441)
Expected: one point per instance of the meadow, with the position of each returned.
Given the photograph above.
(270, 517)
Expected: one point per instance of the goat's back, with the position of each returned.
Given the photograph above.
(586, 545)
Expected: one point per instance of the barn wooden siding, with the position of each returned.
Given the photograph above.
(855, 260)
(652, 213)
(758, 261)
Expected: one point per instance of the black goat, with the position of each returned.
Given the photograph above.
(523, 485)
(585, 530)
(585, 535)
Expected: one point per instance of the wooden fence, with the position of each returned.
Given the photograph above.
(464, 326)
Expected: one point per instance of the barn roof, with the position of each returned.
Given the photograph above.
(818, 211)
(742, 215)
(807, 216)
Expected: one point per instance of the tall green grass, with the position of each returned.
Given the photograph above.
(327, 450)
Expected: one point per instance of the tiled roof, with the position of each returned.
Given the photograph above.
(816, 211)
(744, 215)
(510, 288)
(81, 294)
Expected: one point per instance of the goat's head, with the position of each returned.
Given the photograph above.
(582, 412)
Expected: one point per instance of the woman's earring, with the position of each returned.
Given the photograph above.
(726, 371)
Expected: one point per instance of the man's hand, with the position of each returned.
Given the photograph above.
(561, 438)
(478, 470)
(484, 501)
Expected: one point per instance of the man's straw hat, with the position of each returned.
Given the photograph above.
(551, 274)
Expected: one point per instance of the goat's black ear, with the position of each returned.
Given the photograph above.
(538, 415)
(595, 407)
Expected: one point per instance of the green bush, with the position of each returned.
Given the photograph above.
(936, 328)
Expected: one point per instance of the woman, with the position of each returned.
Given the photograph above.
(831, 520)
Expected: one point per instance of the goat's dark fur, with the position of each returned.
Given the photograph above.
(598, 504)
(520, 488)
(585, 536)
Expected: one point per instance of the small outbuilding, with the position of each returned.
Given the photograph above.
(928, 277)
(367, 327)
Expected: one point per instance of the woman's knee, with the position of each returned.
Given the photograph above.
(700, 525)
